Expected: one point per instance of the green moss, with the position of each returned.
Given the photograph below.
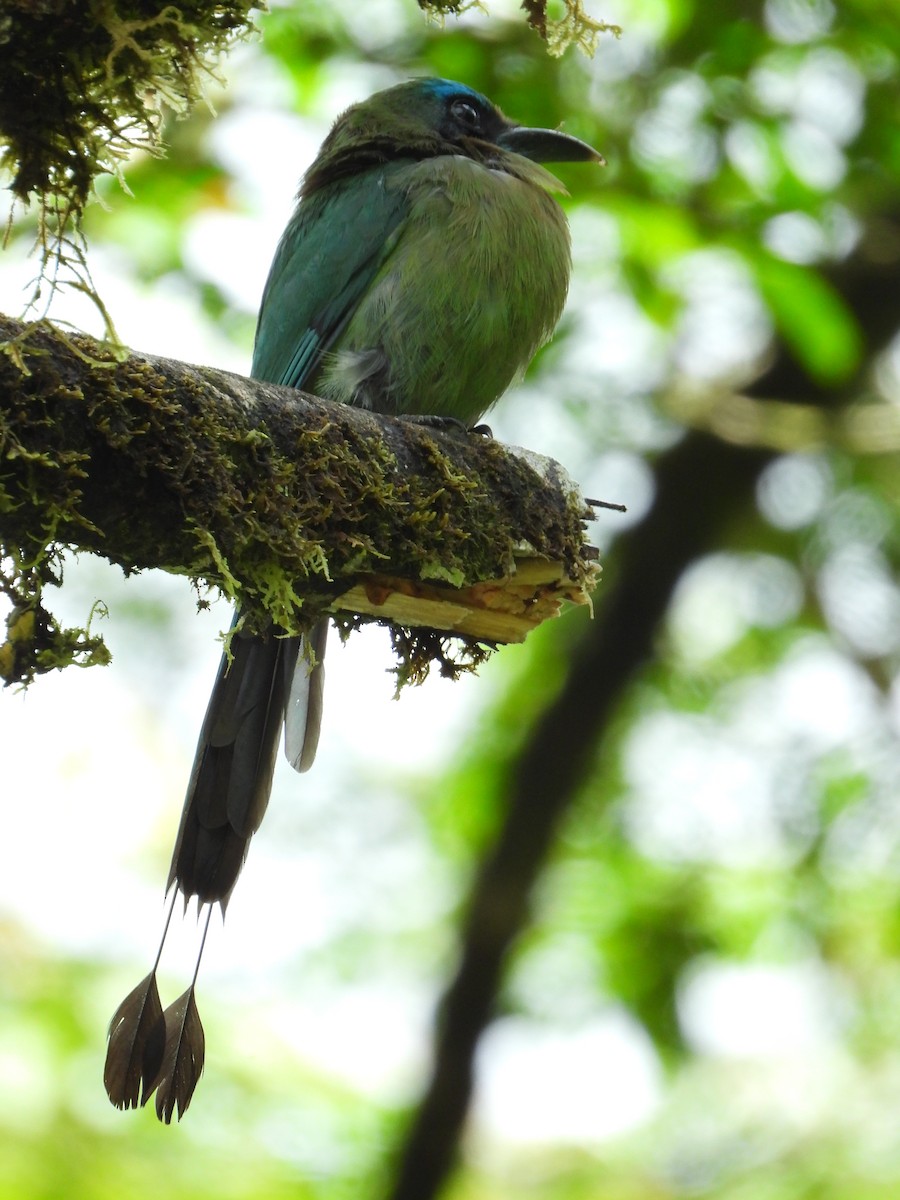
(279, 503)
(418, 651)
(571, 27)
(35, 641)
(83, 83)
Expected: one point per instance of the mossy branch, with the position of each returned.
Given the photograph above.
(293, 505)
(83, 83)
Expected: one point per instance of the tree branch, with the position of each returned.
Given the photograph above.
(281, 499)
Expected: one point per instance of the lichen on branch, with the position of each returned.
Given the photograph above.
(570, 27)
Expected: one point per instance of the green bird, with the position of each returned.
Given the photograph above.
(425, 264)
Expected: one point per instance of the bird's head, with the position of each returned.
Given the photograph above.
(425, 118)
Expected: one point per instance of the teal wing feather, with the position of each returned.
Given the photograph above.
(329, 255)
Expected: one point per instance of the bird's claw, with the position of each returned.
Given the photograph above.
(445, 424)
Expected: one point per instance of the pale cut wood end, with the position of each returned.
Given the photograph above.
(499, 610)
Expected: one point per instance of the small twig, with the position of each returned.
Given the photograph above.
(605, 504)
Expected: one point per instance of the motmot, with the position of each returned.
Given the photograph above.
(426, 262)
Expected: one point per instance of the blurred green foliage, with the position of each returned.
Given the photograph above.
(743, 810)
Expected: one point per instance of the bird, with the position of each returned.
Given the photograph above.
(425, 264)
(426, 261)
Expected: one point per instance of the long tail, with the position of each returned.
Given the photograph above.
(268, 682)
(231, 778)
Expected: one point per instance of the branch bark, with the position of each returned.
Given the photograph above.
(281, 499)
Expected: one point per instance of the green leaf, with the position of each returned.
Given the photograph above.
(654, 233)
(811, 317)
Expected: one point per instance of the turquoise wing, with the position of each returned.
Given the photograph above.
(329, 254)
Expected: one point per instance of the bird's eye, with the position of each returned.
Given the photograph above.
(466, 113)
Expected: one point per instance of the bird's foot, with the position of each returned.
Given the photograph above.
(446, 424)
